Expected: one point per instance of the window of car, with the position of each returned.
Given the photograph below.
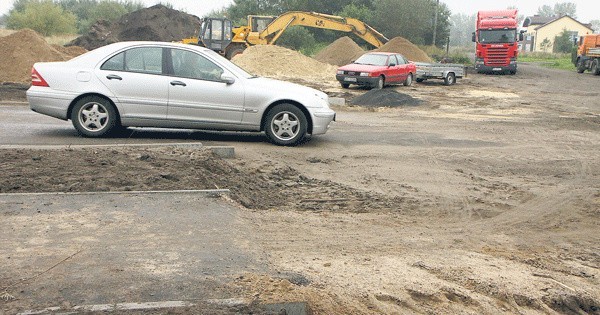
(392, 60)
(401, 60)
(188, 64)
(141, 59)
(372, 59)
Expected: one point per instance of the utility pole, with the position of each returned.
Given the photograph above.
(435, 18)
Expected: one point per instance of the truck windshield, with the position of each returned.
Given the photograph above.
(372, 59)
(497, 36)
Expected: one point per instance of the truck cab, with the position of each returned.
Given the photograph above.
(496, 39)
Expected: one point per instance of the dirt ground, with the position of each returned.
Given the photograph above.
(483, 199)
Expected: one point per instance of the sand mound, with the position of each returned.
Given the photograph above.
(20, 51)
(385, 98)
(71, 51)
(406, 48)
(156, 23)
(341, 52)
(281, 63)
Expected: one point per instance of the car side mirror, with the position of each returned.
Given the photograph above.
(227, 79)
(473, 37)
(392, 64)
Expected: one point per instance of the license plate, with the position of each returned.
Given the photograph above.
(497, 69)
(350, 79)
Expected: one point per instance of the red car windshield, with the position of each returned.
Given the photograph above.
(372, 59)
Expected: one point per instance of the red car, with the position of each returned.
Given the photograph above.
(377, 69)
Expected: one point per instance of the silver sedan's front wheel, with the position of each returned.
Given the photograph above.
(285, 124)
(94, 116)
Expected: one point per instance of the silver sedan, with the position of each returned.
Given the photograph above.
(155, 84)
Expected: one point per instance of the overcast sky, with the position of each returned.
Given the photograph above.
(587, 10)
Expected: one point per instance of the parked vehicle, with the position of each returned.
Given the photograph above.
(588, 54)
(377, 69)
(445, 71)
(220, 35)
(497, 41)
(153, 84)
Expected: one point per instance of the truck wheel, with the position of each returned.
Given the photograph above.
(450, 79)
(94, 116)
(234, 51)
(580, 66)
(408, 80)
(285, 124)
(596, 67)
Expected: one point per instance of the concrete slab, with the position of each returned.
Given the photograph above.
(123, 248)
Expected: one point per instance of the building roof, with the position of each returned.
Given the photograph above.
(560, 18)
(537, 20)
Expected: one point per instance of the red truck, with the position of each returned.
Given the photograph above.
(497, 41)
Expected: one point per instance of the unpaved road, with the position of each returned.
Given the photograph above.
(484, 199)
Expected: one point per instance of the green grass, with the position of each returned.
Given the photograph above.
(555, 61)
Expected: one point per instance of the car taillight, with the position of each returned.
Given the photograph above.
(36, 79)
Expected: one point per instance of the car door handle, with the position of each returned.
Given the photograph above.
(174, 83)
(114, 77)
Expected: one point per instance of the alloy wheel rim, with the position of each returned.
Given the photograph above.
(285, 126)
(93, 116)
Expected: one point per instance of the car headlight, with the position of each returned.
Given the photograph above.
(340, 72)
(364, 74)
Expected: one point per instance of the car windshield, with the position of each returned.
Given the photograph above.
(497, 36)
(372, 59)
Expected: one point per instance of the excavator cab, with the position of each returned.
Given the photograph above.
(259, 23)
(215, 33)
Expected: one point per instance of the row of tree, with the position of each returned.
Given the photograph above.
(49, 17)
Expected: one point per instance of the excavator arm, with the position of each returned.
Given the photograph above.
(318, 20)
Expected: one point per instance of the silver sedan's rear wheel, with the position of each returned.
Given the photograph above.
(94, 116)
(285, 124)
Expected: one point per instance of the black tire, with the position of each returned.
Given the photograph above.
(285, 124)
(450, 79)
(380, 83)
(512, 72)
(345, 85)
(596, 67)
(409, 80)
(95, 116)
(580, 66)
(234, 51)
(420, 80)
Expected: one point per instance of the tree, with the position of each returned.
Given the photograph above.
(412, 20)
(595, 26)
(545, 45)
(461, 28)
(44, 17)
(563, 43)
(560, 9)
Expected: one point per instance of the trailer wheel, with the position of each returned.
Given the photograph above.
(345, 85)
(420, 80)
(450, 79)
(596, 67)
(580, 66)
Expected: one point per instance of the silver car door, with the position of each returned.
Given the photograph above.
(135, 77)
(197, 93)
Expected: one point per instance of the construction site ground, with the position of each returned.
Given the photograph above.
(482, 199)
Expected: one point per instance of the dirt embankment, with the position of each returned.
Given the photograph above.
(281, 63)
(22, 49)
(156, 23)
(341, 52)
(406, 48)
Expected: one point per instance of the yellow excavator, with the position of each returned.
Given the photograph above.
(219, 35)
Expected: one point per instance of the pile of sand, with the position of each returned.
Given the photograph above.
(20, 51)
(156, 23)
(281, 63)
(71, 51)
(341, 52)
(406, 48)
